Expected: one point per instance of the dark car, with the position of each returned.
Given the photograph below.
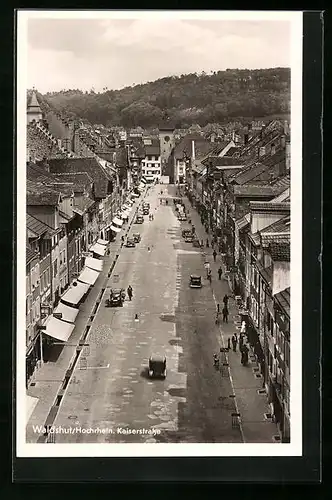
(139, 219)
(117, 297)
(130, 243)
(146, 211)
(136, 237)
(189, 238)
(157, 366)
(195, 281)
(186, 232)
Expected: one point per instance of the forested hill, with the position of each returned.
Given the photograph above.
(187, 99)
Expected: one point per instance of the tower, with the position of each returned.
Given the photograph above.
(167, 143)
(34, 113)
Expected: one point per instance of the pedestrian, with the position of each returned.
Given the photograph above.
(166, 202)
(220, 272)
(202, 243)
(209, 276)
(207, 243)
(189, 221)
(122, 239)
(225, 314)
(234, 341)
(225, 300)
(218, 308)
(228, 343)
(130, 292)
(208, 269)
(214, 255)
(241, 342)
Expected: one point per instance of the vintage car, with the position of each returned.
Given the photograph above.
(195, 281)
(157, 366)
(146, 205)
(117, 297)
(146, 211)
(130, 243)
(189, 238)
(182, 217)
(186, 232)
(139, 219)
(136, 237)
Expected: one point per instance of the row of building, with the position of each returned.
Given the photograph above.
(242, 192)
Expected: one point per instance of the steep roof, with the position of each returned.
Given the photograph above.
(280, 226)
(38, 194)
(280, 252)
(152, 149)
(33, 105)
(222, 161)
(37, 226)
(89, 165)
(269, 206)
(248, 173)
(253, 190)
(284, 300)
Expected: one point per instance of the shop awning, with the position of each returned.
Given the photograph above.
(102, 242)
(98, 249)
(59, 329)
(88, 276)
(31, 404)
(68, 313)
(117, 221)
(115, 229)
(135, 195)
(75, 293)
(96, 264)
(143, 179)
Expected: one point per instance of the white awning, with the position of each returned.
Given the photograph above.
(98, 249)
(31, 404)
(75, 293)
(96, 264)
(102, 242)
(117, 221)
(135, 195)
(143, 179)
(88, 276)
(59, 329)
(115, 229)
(68, 313)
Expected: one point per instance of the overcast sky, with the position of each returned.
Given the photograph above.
(114, 53)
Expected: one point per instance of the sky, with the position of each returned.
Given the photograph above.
(115, 53)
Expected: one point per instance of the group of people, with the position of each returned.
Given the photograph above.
(243, 348)
(224, 312)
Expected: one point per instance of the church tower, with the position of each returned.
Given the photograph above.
(167, 144)
(34, 113)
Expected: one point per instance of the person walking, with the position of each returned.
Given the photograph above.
(209, 276)
(130, 292)
(225, 314)
(225, 300)
(220, 272)
(207, 243)
(229, 344)
(214, 255)
(234, 341)
(208, 269)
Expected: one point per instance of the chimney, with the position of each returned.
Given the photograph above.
(193, 150)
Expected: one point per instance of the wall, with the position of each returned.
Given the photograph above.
(180, 169)
(63, 267)
(281, 276)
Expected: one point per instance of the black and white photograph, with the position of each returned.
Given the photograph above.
(159, 229)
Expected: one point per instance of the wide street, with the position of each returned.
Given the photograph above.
(192, 404)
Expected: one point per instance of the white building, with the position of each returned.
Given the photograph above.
(151, 165)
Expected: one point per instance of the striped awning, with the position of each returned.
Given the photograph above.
(98, 249)
(89, 276)
(59, 329)
(102, 242)
(115, 229)
(68, 313)
(96, 264)
(117, 221)
(75, 293)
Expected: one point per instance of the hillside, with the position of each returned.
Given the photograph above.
(202, 99)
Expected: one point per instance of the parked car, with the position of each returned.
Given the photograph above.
(146, 211)
(182, 217)
(139, 219)
(195, 281)
(117, 297)
(189, 238)
(146, 204)
(157, 366)
(130, 243)
(186, 232)
(136, 237)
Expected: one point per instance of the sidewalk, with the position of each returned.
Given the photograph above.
(251, 405)
(49, 377)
